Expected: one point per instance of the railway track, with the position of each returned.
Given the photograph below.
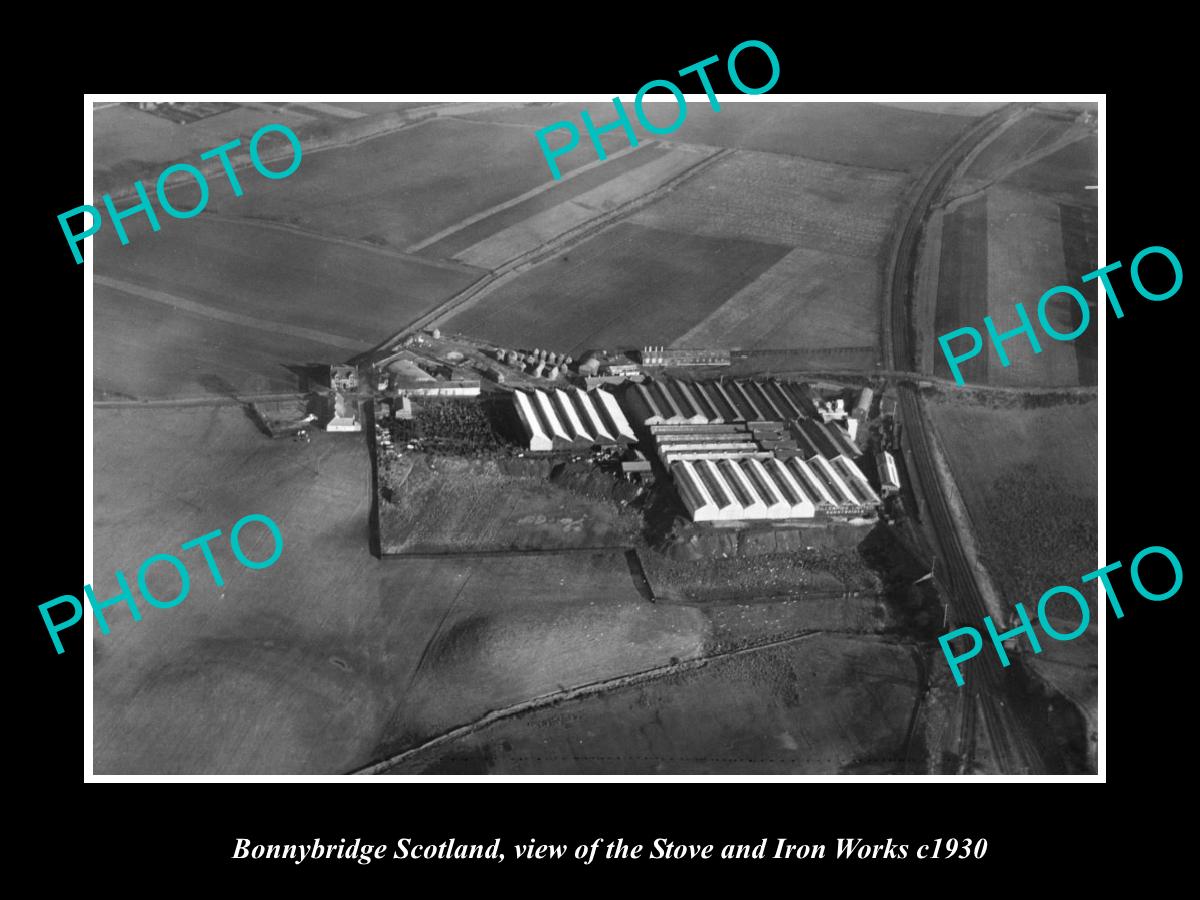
(983, 703)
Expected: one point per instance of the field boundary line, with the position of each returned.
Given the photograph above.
(508, 204)
(597, 687)
(583, 690)
(240, 159)
(210, 312)
(353, 243)
(235, 400)
(531, 258)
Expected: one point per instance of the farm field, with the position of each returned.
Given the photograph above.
(400, 188)
(1025, 258)
(781, 200)
(1027, 135)
(328, 659)
(854, 134)
(962, 286)
(826, 292)
(144, 348)
(531, 233)
(1064, 174)
(1011, 242)
(627, 287)
(809, 300)
(453, 504)
(1028, 477)
(580, 181)
(128, 142)
(262, 281)
(824, 704)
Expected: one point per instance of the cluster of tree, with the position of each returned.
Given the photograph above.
(453, 426)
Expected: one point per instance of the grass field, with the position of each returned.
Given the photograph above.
(627, 287)
(824, 704)
(1028, 477)
(451, 504)
(126, 139)
(854, 134)
(324, 661)
(780, 200)
(808, 300)
(322, 301)
(145, 348)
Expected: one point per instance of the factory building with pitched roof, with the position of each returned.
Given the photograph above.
(566, 418)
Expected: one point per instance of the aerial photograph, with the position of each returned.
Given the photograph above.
(654, 468)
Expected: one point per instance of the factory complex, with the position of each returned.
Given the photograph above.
(735, 449)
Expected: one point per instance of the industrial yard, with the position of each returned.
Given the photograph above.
(614, 474)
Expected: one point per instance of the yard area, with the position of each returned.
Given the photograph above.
(445, 504)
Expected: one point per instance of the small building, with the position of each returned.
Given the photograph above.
(662, 356)
(889, 474)
(842, 441)
(636, 464)
(862, 409)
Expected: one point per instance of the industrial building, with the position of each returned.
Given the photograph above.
(748, 470)
(344, 396)
(737, 489)
(662, 356)
(563, 418)
(673, 401)
(889, 475)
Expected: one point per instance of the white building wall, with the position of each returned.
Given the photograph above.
(593, 415)
(538, 439)
(804, 508)
(551, 417)
(572, 417)
(777, 507)
(754, 508)
(614, 413)
(707, 511)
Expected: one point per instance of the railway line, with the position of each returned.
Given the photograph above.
(983, 701)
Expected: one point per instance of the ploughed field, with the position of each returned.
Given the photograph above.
(870, 135)
(820, 184)
(1019, 222)
(627, 287)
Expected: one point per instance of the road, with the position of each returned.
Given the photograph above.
(983, 696)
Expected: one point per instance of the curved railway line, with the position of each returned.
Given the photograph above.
(983, 702)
